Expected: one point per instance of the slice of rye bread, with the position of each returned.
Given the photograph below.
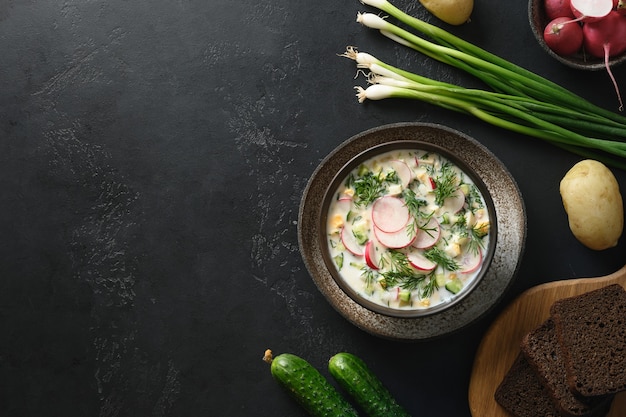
(522, 394)
(542, 351)
(591, 330)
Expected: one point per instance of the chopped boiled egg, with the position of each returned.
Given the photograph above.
(482, 228)
(453, 249)
(336, 223)
(395, 189)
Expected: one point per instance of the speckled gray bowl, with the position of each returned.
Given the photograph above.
(538, 21)
(509, 211)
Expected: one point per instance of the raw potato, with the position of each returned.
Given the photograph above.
(593, 203)
(454, 12)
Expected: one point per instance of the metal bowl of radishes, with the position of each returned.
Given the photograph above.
(582, 34)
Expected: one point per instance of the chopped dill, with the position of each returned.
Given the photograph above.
(413, 203)
(424, 227)
(401, 274)
(438, 256)
(474, 234)
(398, 268)
(475, 237)
(461, 222)
(430, 286)
(445, 184)
(474, 198)
(399, 262)
(392, 177)
(369, 276)
(367, 187)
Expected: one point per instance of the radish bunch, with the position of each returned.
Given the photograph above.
(593, 27)
(597, 27)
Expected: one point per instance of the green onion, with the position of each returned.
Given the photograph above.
(459, 49)
(494, 113)
(521, 101)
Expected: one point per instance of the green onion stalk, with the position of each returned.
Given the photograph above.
(498, 109)
(550, 112)
(521, 101)
(449, 48)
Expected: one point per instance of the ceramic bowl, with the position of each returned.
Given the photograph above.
(331, 195)
(502, 258)
(538, 21)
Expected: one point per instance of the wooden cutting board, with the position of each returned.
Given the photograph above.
(500, 344)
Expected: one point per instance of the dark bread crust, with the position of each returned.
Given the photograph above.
(591, 331)
(541, 349)
(521, 394)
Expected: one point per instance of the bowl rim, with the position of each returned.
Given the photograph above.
(538, 21)
(340, 176)
(512, 230)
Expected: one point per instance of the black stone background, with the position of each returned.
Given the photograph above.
(152, 159)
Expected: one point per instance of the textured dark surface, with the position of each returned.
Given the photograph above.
(152, 160)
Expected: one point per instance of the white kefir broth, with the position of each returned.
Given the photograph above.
(398, 276)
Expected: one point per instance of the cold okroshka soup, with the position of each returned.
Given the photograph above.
(408, 230)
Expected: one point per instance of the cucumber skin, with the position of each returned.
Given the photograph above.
(314, 393)
(365, 388)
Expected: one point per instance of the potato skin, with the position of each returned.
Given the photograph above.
(453, 12)
(593, 203)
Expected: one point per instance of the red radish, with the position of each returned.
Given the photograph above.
(404, 172)
(371, 258)
(428, 234)
(337, 217)
(343, 205)
(558, 8)
(471, 260)
(432, 183)
(350, 242)
(590, 10)
(454, 202)
(604, 39)
(420, 262)
(564, 36)
(395, 240)
(390, 214)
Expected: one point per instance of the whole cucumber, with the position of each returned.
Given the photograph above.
(367, 390)
(305, 383)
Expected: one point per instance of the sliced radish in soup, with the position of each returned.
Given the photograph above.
(471, 260)
(404, 172)
(420, 262)
(390, 214)
(428, 234)
(396, 240)
(349, 241)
